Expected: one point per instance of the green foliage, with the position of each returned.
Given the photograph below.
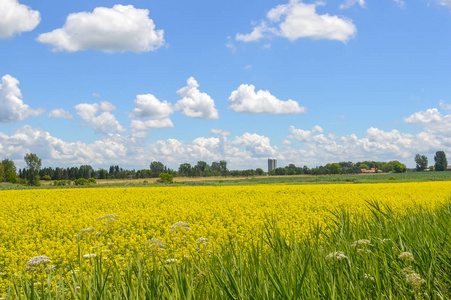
(80, 181)
(92, 181)
(421, 162)
(354, 257)
(62, 182)
(2, 169)
(165, 178)
(394, 166)
(363, 166)
(441, 163)
(46, 178)
(333, 168)
(33, 167)
(391, 178)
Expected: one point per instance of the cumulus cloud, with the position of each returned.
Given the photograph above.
(117, 29)
(54, 151)
(245, 99)
(299, 20)
(424, 117)
(258, 145)
(104, 122)
(444, 105)
(13, 109)
(149, 107)
(60, 113)
(349, 3)
(194, 103)
(16, 18)
(144, 125)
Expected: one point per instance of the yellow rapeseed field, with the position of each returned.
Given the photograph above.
(67, 224)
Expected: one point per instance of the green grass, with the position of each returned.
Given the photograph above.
(321, 179)
(277, 266)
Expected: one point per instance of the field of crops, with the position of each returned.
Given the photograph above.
(78, 228)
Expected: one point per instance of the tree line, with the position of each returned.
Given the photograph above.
(33, 173)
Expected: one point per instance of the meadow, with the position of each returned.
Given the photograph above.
(349, 241)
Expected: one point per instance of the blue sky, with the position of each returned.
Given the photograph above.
(108, 82)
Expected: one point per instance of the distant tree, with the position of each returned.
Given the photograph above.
(2, 168)
(215, 166)
(156, 167)
(394, 166)
(363, 166)
(223, 167)
(421, 161)
(441, 163)
(333, 168)
(33, 167)
(431, 168)
(259, 171)
(11, 176)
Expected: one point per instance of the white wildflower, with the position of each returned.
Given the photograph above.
(90, 255)
(98, 234)
(105, 250)
(385, 240)
(407, 256)
(171, 260)
(51, 268)
(38, 260)
(361, 243)
(369, 277)
(179, 225)
(338, 255)
(415, 280)
(87, 230)
(202, 240)
(108, 217)
(156, 244)
(30, 269)
(110, 244)
(364, 251)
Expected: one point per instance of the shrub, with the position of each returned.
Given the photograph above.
(92, 181)
(46, 177)
(80, 181)
(165, 178)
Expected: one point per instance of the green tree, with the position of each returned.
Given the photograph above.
(259, 171)
(421, 161)
(33, 167)
(2, 168)
(394, 166)
(363, 166)
(156, 167)
(441, 163)
(223, 167)
(9, 171)
(333, 168)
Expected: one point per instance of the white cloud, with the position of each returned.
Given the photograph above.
(102, 123)
(244, 99)
(56, 152)
(144, 125)
(349, 3)
(401, 3)
(12, 107)
(117, 29)
(16, 18)
(424, 117)
(445, 2)
(60, 113)
(299, 20)
(444, 105)
(195, 104)
(148, 106)
(258, 145)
